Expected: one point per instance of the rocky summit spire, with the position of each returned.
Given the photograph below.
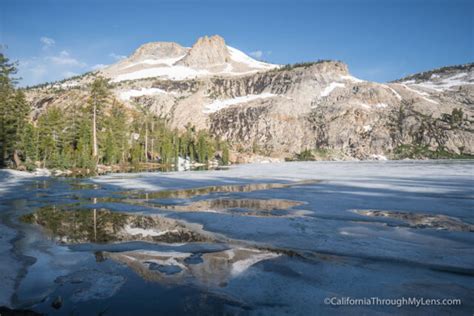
(207, 51)
(158, 50)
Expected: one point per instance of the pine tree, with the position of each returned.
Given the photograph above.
(115, 140)
(84, 145)
(225, 154)
(6, 89)
(29, 145)
(20, 110)
(51, 126)
(97, 100)
(13, 114)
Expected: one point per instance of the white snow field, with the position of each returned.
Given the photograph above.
(126, 95)
(444, 84)
(222, 104)
(333, 85)
(240, 57)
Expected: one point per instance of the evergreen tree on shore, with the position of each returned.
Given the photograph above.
(13, 114)
(97, 100)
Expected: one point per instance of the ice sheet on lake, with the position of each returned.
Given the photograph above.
(331, 249)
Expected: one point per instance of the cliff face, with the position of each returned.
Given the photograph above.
(330, 110)
(280, 111)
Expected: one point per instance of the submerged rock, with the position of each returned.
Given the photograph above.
(166, 269)
(57, 302)
(195, 258)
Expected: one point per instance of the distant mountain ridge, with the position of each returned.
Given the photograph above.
(271, 110)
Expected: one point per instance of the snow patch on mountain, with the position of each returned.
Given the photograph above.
(240, 57)
(420, 93)
(173, 73)
(159, 61)
(333, 85)
(126, 95)
(371, 106)
(351, 78)
(221, 104)
(441, 85)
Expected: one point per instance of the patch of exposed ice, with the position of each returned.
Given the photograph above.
(381, 105)
(126, 95)
(146, 232)
(230, 253)
(331, 87)
(11, 178)
(221, 104)
(166, 254)
(367, 128)
(240, 266)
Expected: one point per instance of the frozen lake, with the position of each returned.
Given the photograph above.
(255, 239)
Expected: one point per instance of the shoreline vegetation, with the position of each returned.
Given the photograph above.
(96, 135)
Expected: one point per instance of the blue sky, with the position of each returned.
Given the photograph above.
(379, 40)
